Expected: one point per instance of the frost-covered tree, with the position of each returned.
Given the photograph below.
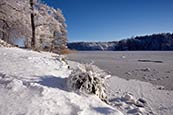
(41, 27)
(50, 28)
(14, 19)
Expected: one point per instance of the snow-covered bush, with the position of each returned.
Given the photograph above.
(88, 79)
(4, 44)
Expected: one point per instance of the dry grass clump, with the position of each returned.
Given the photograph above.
(67, 51)
(88, 79)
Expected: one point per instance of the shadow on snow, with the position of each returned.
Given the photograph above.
(53, 82)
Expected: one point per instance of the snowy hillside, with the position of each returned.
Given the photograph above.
(33, 83)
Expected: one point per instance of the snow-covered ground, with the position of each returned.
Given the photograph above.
(159, 101)
(121, 64)
(34, 83)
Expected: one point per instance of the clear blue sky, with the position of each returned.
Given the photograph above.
(108, 20)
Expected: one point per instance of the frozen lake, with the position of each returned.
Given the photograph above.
(155, 67)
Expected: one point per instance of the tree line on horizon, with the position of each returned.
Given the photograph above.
(35, 24)
(161, 41)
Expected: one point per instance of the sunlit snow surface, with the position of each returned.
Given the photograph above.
(33, 83)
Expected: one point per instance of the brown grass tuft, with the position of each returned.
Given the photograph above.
(67, 51)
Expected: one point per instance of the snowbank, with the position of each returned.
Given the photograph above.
(33, 83)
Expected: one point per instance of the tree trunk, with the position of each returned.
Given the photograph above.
(32, 24)
(5, 35)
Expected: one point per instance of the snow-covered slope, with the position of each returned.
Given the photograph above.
(33, 83)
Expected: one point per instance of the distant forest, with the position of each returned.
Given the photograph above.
(161, 41)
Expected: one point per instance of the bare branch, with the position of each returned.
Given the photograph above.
(2, 12)
(2, 4)
(44, 24)
(3, 31)
(9, 5)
